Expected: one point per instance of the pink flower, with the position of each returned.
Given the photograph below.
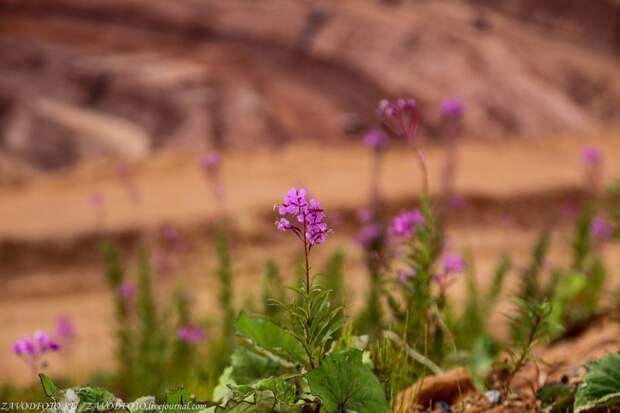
(601, 230)
(452, 108)
(405, 274)
(364, 215)
(64, 328)
(404, 223)
(310, 217)
(592, 156)
(191, 334)
(210, 162)
(376, 139)
(127, 290)
(401, 117)
(369, 234)
(452, 265)
(32, 349)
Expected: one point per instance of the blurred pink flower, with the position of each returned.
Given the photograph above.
(191, 334)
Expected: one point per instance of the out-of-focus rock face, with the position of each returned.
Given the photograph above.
(81, 79)
(594, 22)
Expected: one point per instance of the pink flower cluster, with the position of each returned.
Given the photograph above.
(452, 108)
(32, 348)
(601, 230)
(404, 223)
(451, 266)
(191, 334)
(310, 224)
(376, 139)
(592, 156)
(210, 162)
(401, 117)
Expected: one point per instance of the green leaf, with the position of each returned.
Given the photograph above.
(281, 389)
(344, 383)
(248, 367)
(94, 399)
(556, 397)
(600, 388)
(50, 389)
(481, 358)
(267, 335)
(179, 396)
(263, 401)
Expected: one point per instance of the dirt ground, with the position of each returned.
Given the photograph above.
(48, 229)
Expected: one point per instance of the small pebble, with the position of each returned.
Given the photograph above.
(493, 396)
(444, 407)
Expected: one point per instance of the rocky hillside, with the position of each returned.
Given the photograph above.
(125, 77)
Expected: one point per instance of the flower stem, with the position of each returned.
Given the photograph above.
(375, 194)
(306, 252)
(423, 168)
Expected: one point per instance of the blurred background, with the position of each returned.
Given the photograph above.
(108, 106)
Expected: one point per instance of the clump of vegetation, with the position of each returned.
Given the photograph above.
(304, 350)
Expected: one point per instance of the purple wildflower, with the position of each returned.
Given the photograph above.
(452, 108)
(24, 347)
(170, 235)
(364, 215)
(406, 274)
(32, 348)
(310, 226)
(127, 290)
(210, 162)
(309, 215)
(44, 342)
(294, 204)
(592, 156)
(64, 328)
(369, 234)
(191, 334)
(401, 117)
(376, 139)
(452, 265)
(404, 223)
(601, 230)
(284, 224)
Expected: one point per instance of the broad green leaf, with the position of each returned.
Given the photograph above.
(266, 335)
(600, 388)
(344, 383)
(248, 367)
(50, 389)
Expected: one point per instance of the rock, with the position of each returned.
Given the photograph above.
(447, 387)
(493, 396)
